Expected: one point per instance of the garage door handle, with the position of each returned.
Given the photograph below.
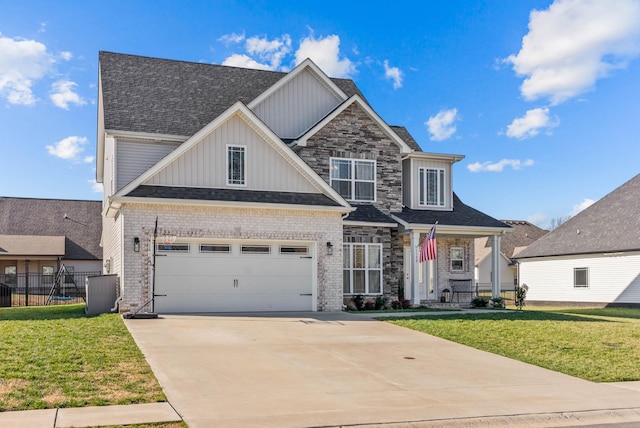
(306, 257)
(309, 294)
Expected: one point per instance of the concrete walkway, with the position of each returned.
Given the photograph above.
(330, 370)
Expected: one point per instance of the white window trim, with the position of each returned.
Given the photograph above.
(442, 187)
(452, 259)
(353, 180)
(574, 277)
(229, 183)
(348, 246)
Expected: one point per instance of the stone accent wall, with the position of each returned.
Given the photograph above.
(237, 223)
(354, 135)
(444, 262)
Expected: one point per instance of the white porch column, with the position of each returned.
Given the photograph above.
(415, 288)
(495, 266)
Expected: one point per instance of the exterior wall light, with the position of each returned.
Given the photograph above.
(136, 244)
(329, 248)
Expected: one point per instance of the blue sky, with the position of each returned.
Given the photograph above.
(540, 96)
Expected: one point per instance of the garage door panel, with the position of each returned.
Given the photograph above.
(233, 282)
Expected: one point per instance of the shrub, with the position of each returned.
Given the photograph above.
(380, 302)
(358, 300)
(479, 302)
(396, 304)
(369, 305)
(406, 304)
(497, 302)
(521, 294)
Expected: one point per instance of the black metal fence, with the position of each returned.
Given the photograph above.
(36, 289)
(507, 292)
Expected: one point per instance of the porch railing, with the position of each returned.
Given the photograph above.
(36, 289)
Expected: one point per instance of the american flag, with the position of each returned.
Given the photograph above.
(428, 249)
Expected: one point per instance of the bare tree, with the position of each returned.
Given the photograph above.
(557, 221)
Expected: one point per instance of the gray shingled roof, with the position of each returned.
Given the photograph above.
(154, 95)
(45, 217)
(368, 213)
(522, 234)
(610, 225)
(232, 195)
(408, 138)
(461, 215)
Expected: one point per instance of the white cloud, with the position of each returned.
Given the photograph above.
(232, 38)
(62, 94)
(574, 43)
(539, 219)
(65, 55)
(272, 51)
(393, 73)
(238, 60)
(71, 149)
(442, 125)
(586, 203)
(21, 63)
(499, 166)
(531, 123)
(95, 186)
(325, 53)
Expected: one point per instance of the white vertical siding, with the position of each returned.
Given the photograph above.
(414, 191)
(112, 243)
(204, 164)
(612, 279)
(136, 158)
(297, 106)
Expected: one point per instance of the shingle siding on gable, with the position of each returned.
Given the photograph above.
(353, 134)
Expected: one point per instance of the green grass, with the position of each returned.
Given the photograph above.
(56, 356)
(600, 345)
(388, 311)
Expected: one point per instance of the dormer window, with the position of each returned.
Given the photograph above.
(354, 179)
(432, 187)
(236, 165)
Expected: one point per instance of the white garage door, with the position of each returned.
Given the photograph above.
(234, 277)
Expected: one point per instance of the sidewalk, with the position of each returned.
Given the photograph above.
(90, 416)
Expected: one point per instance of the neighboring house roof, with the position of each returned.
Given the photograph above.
(232, 195)
(79, 221)
(522, 235)
(612, 224)
(461, 215)
(27, 245)
(161, 96)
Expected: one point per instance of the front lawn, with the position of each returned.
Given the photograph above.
(56, 356)
(600, 345)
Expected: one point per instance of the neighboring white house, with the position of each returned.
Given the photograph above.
(593, 258)
(522, 235)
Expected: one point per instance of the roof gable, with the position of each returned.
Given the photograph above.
(356, 100)
(612, 224)
(170, 170)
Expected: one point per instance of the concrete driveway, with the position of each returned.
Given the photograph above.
(315, 369)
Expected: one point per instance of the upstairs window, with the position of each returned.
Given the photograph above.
(354, 180)
(432, 185)
(236, 165)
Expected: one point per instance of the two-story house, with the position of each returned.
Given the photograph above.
(231, 189)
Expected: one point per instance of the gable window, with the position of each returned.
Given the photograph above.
(354, 180)
(362, 268)
(431, 182)
(236, 165)
(581, 277)
(457, 259)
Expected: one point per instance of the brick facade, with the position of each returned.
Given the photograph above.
(233, 223)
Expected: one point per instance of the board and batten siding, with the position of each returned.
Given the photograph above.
(134, 158)
(612, 279)
(205, 164)
(297, 106)
(414, 186)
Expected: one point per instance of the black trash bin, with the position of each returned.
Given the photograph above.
(5, 296)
